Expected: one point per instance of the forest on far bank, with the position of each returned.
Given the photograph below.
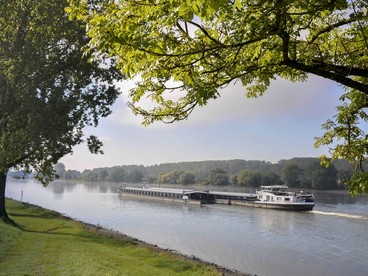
(295, 173)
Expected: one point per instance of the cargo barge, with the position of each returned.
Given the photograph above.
(272, 197)
(174, 195)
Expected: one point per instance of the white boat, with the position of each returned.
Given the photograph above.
(277, 197)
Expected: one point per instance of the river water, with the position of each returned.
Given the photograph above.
(330, 240)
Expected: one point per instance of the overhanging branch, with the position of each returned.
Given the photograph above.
(322, 72)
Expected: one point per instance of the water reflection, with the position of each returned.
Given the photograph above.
(341, 197)
(60, 187)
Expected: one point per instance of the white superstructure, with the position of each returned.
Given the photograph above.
(277, 196)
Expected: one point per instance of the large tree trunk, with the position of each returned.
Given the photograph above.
(3, 213)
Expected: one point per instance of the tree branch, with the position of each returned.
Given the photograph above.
(331, 27)
(205, 33)
(322, 72)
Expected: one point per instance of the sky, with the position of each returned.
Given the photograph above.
(279, 125)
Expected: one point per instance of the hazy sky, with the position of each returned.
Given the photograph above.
(279, 125)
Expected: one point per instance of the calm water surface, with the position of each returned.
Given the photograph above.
(331, 240)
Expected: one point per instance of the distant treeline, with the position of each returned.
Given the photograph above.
(295, 172)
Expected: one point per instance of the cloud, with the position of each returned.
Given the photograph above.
(282, 99)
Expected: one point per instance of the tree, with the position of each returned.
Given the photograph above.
(89, 175)
(116, 174)
(195, 48)
(322, 177)
(347, 139)
(135, 176)
(60, 170)
(292, 174)
(249, 178)
(270, 178)
(218, 177)
(49, 90)
(186, 178)
(72, 175)
(171, 177)
(102, 174)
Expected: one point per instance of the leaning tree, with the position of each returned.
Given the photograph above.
(49, 90)
(195, 48)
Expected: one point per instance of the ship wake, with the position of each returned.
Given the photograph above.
(343, 215)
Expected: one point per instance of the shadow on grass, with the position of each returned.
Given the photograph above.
(9, 221)
(40, 215)
(88, 233)
(32, 215)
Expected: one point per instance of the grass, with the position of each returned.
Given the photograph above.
(45, 243)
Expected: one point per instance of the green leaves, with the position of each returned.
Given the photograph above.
(358, 183)
(94, 145)
(347, 137)
(49, 90)
(195, 48)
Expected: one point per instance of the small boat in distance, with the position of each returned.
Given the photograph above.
(277, 197)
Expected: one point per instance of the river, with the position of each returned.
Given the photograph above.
(330, 240)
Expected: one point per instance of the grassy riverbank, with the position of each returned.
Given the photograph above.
(46, 243)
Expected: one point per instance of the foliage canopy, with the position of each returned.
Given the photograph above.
(49, 91)
(195, 48)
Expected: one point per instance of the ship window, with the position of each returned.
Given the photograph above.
(287, 199)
